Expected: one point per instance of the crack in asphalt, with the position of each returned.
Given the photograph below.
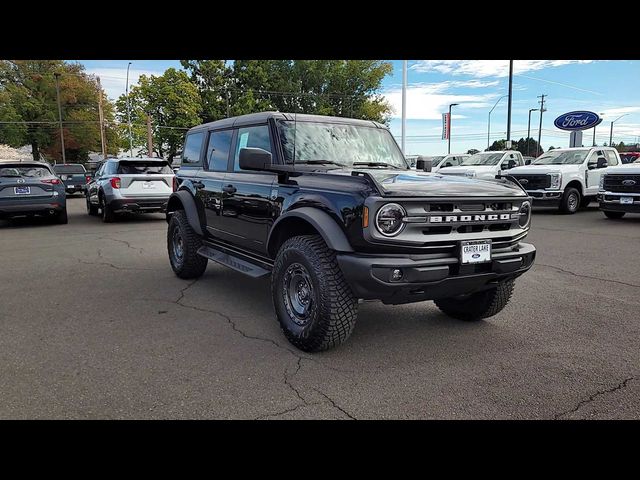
(117, 267)
(335, 404)
(288, 410)
(569, 272)
(592, 397)
(124, 242)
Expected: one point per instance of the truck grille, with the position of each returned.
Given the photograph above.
(622, 183)
(534, 182)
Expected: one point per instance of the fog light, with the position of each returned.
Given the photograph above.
(396, 274)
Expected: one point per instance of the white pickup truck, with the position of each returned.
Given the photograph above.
(619, 191)
(567, 177)
(486, 165)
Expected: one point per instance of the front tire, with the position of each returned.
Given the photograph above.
(613, 215)
(183, 244)
(571, 200)
(314, 304)
(479, 305)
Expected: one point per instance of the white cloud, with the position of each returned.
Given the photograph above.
(114, 80)
(488, 68)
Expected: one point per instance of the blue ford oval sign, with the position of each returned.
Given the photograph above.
(579, 120)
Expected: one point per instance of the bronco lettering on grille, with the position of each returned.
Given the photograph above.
(469, 218)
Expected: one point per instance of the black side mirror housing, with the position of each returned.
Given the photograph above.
(424, 164)
(602, 163)
(254, 159)
(511, 164)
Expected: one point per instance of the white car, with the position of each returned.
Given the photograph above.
(485, 165)
(441, 161)
(566, 177)
(619, 191)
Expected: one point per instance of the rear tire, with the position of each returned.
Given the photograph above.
(613, 215)
(182, 245)
(61, 217)
(314, 304)
(477, 306)
(107, 214)
(91, 209)
(571, 200)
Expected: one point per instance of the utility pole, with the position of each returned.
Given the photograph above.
(102, 137)
(57, 75)
(529, 129)
(129, 114)
(542, 110)
(509, 107)
(404, 104)
(149, 137)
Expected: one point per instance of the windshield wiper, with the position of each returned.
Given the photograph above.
(320, 162)
(377, 164)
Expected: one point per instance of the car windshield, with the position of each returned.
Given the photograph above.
(74, 168)
(133, 168)
(482, 159)
(24, 171)
(339, 144)
(562, 157)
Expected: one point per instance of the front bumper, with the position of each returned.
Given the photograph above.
(430, 276)
(545, 197)
(610, 201)
(143, 204)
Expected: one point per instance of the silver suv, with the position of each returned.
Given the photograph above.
(129, 185)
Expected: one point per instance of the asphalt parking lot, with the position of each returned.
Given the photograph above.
(94, 324)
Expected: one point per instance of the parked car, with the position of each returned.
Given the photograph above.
(129, 185)
(330, 209)
(73, 175)
(629, 157)
(441, 161)
(566, 177)
(619, 191)
(31, 188)
(485, 165)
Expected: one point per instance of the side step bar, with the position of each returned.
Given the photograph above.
(235, 263)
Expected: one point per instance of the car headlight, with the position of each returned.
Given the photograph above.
(601, 187)
(525, 214)
(556, 180)
(470, 173)
(389, 219)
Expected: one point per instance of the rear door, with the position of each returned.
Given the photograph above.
(215, 165)
(145, 178)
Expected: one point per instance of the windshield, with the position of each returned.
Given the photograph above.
(75, 168)
(482, 159)
(35, 171)
(562, 157)
(340, 144)
(133, 168)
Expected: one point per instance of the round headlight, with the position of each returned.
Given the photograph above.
(389, 219)
(525, 214)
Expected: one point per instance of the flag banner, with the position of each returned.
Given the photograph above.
(446, 124)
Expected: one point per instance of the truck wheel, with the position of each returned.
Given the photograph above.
(91, 209)
(314, 304)
(477, 306)
(570, 202)
(107, 214)
(61, 217)
(183, 244)
(613, 214)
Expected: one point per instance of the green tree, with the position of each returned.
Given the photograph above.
(520, 146)
(174, 104)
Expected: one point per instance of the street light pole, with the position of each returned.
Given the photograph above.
(57, 75)
(404, 103)
(489, 122)
(611, 131)
(529, 128)
(509, 108)
(449, 145)
(542, 110)
(129, 113)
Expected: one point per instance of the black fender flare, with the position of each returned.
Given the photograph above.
(328, 228)
(185, 199)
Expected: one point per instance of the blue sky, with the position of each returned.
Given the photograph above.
(609, 87)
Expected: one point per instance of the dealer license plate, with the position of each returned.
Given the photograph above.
(22, 190)
(626, 200)
(148, 185)
(477, 251)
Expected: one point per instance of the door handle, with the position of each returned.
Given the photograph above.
(229, 189)
(198, 184)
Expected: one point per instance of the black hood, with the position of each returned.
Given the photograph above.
(410, 183)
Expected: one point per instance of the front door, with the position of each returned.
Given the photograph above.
(592, 177)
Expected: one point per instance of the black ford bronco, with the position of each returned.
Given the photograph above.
(330, 208)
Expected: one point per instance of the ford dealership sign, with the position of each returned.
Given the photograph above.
(579, 120)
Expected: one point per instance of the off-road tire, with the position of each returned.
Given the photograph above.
(334, 310)
(191, 265)
(91, 209)
(61, 218)
(479, 305)
(614, 215)
(567, 205)
(107, 214)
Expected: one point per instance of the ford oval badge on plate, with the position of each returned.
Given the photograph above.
(578, 120)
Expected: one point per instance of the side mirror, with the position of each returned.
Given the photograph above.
(510, 164)
(602, 163)
(254, 159)
(527, 161)
(448, 164)
(424, 164)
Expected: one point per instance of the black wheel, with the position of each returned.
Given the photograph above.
(570, 202)
(107, 214)
(477, 306)
(183, 244)
(91, 209)
(62, 217)
(314, 304)
(610, 214)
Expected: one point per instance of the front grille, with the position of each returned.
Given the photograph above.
(534, 182)
(616, 183)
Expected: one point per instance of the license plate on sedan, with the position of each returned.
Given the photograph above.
(22, 190)
(626, 200)
(477, 251)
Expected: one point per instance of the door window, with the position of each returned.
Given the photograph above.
(192, 148)
(251, 137)
(218, 150)
(611, 158)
